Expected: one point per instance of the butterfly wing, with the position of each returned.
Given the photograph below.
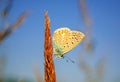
(67, 39)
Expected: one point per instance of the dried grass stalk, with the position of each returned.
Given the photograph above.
(20, 20)
(7, 9)
(9, 29)
(38, 74)
(100, 68)
(85, 67)
(4, 34)
(49, 68)
(88, 42)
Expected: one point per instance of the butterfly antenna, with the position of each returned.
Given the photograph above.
(69, 59)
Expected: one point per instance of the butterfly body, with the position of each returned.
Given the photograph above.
(64, 40)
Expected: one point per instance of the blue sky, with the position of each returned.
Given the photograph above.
(24, 47)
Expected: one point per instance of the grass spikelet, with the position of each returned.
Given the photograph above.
(49, 68)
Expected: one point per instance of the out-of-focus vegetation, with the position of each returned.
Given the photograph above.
(6, 28)
(96, 73)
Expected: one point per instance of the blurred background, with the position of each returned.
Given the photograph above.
(22, 40)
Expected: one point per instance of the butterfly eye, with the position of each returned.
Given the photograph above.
(76, 38)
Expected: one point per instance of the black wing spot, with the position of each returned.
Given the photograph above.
(72, 42)
(76, 38)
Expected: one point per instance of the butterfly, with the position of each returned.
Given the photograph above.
(64, 40)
